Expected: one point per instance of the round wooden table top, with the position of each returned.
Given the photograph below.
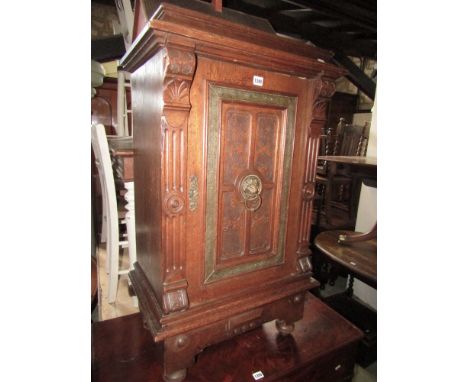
(359, 258)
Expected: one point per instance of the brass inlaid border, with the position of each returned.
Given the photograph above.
(193, 193)
(216, 95)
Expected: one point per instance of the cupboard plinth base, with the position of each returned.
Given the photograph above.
(185, 334)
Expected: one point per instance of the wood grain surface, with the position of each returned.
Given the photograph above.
(322, 348)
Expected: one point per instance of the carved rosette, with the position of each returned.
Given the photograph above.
(308, 191)
(325, 89)
(178, 69)
(173, 203)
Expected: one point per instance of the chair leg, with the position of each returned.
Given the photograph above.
(113, 274)
(104, 218)
(350, 290)
(320, 191)
(104, 226)
(329, 191)
(113, 258)
(105, 230)
(108, 247)
(130, 222)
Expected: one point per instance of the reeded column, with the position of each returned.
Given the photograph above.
(324, 91)
(179, 67)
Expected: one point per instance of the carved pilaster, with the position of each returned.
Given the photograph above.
(324, 91)
(179, 67)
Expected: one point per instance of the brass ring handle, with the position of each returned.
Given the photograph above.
(250, 189)
(256, 206)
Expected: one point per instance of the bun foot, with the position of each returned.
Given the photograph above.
(176, 376)
(284, 328)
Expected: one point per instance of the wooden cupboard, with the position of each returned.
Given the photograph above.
(227, 118)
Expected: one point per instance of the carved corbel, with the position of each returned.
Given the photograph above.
(324, 90)
(178, 68)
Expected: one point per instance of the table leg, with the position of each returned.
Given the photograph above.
(355, 193)
(130, 222)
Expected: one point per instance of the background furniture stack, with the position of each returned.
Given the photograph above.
(338, 187)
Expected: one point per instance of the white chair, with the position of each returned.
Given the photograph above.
(109, 201)
(122, 129)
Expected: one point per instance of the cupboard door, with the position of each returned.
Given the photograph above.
(250, 139)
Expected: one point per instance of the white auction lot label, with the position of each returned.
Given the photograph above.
(258, 81)
(258, 375)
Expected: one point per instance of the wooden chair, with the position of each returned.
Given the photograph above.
(109, 196)
(336, 187)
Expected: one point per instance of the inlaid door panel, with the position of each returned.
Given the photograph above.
(250, 138)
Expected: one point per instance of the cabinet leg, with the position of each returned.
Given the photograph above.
(175, 376)
(179, 354)
(284, 328)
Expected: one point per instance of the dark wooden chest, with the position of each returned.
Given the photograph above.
(321, 349)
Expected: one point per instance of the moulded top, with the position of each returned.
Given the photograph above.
(226, 33)
(238, 17)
